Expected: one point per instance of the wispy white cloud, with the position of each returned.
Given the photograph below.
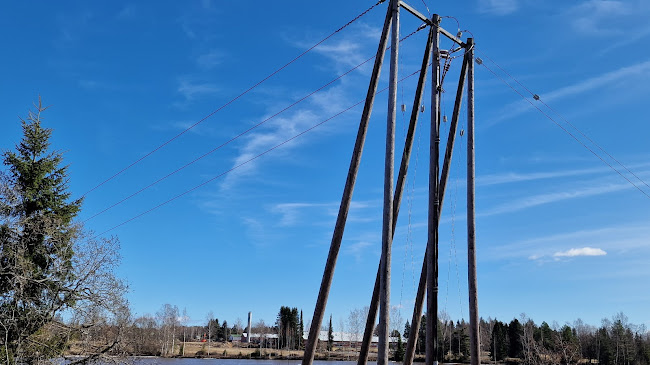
(620, 239)
(346, 53)
(72, 27)
(191, 90)
(498, 7)
(583, 251)
(627, 72)
(517, 177)
(294, 213)
(555, 197)
(127, 12)
(281, 128)
(358, 249)
(210, 59)
(592, 17)
(606, 79)
(291, 213)
(346, 50)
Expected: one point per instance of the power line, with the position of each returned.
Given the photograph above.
(245, 162)
(536, 97)
(240, 134)
(565, 130)
(232, 100)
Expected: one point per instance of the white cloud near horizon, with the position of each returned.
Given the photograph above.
(584, 251)
(622, 238)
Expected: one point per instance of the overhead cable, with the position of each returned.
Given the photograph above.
(231, 100)
(239, 135)
(565, 130)
(538, 98)
(245, 162)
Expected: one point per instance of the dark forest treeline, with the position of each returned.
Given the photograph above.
(615, 342)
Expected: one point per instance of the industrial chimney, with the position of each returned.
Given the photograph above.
(250, 323)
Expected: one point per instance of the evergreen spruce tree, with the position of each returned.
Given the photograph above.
(330, 336)
(399, 351)
(47, 264)
(36, 232)
(301, 330)
(407, 329)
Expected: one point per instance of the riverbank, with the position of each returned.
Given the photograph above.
(221, 350)
(230, 351)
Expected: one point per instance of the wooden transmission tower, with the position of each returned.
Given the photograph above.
(392, 199)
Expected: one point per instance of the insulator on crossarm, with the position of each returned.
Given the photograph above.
(422, 108)
(403, 107)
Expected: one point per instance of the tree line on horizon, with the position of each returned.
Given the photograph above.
(521, 341)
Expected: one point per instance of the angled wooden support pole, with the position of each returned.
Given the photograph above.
(444, 178)
(321, 301)
(399, 189)
(387, 226)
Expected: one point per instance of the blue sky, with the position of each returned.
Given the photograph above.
(560, 235)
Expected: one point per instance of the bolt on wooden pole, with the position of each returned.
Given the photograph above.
(387, 230)
(321, 301)
(471, 214)
(399, 189)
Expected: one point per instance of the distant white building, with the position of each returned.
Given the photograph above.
(349, 339)
(266, 339)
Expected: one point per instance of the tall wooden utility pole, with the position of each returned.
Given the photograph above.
(444, 177)
(437, 185)
(337, 236)
(475, 351)
(434, 203)
(387, 235)
(397, 199)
